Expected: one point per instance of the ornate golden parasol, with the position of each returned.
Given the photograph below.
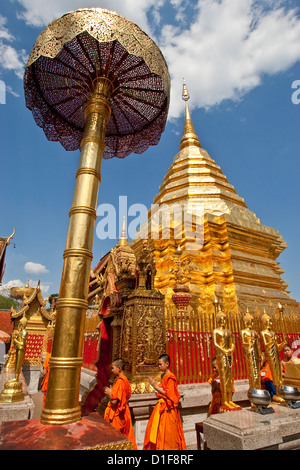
(4, 337)
(93, 81)
(66, 61)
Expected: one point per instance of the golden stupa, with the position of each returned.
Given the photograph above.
(237, 261)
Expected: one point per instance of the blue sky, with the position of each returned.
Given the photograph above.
(240, 59)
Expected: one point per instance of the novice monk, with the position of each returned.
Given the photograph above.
(288, 357)
(266, 377)
(164, 430)
(44, 384)
(214, 381)
(117, 412)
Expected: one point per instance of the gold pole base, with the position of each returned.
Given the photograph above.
(60, 417)
(12, 392)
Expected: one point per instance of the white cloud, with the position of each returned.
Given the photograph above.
(222, 48)
(10, 58)
(11, 91)
(35, 268)
(44, 286)
(5, 288)
(40, 13)
(228, 48)
(4, 32)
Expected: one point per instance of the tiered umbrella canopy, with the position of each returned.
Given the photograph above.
(76, 49)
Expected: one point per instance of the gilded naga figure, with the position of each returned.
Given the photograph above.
(12, 391)
(223, 342)
(272, 349)
(252, 351)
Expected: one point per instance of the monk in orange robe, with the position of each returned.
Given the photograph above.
(287, 359)
(164, 430)
(117, 412)
(44, 384)
(214, 381)
(266, 378)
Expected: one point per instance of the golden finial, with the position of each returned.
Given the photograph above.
(189, 138)
(123, 237)
(179, 250)
(185, 93)
(10, 237)
(216, 304)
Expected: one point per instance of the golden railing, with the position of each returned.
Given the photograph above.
(189, 340)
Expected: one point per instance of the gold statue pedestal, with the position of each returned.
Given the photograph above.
(15, 404)
(225, 409)
(253, 431)
(12, 392)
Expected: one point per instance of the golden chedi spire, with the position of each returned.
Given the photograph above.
(189, 137)
(238, 258)
(123, 237)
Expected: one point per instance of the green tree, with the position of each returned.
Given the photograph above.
(7, 302)
(51, 297)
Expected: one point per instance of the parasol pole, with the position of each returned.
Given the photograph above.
(62, 399)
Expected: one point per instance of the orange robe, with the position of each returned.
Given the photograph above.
(44, 383)
(164, 430)
(216, 402)
(119, 415)
(216, 393)
(265, 373)
(283, 364)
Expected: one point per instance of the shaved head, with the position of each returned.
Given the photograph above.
(165, 358)
(118, 362)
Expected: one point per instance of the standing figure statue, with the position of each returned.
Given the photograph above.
(20, 347)
(12, 391)
(252, 352)
(223, 342)
(272, 349)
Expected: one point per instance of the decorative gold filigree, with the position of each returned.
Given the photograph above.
(114, 446)
(104, 26)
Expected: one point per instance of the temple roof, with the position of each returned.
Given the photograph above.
(4, 242)
(29, 294)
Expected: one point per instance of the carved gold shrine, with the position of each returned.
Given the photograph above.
(39, 326)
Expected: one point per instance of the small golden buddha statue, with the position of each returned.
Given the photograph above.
(12, 391)
(223, 342)
(272, 349)
(252, 351)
